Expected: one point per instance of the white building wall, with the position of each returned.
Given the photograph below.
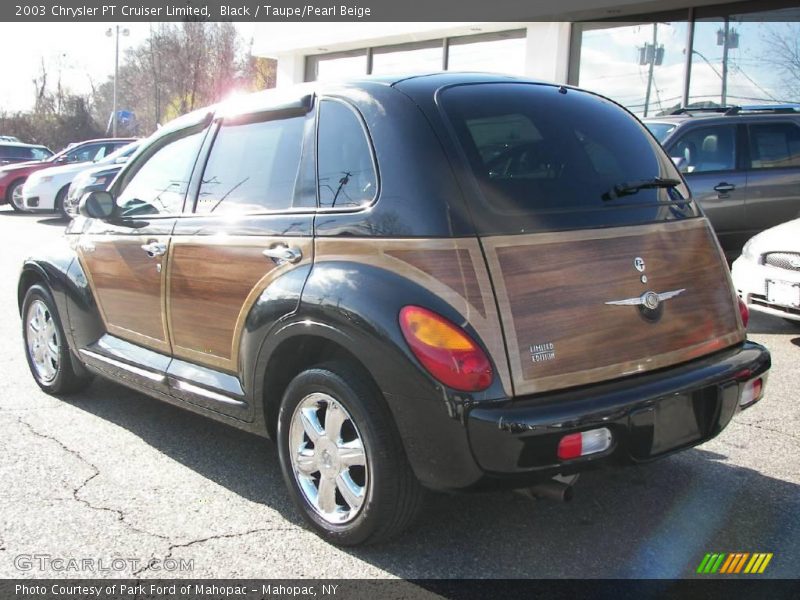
(546, 49)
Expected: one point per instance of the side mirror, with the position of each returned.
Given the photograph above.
(61, 159)
(680, 163)
(97, 205)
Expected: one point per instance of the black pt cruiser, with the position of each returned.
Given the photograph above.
(449, 281)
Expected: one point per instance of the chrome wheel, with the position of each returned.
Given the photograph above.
(328, 458)
(16, 197)
(44, 345)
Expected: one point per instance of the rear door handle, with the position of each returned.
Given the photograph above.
(154, 249)
(724, 188)
(283, 254)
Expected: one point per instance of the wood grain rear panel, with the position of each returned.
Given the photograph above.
(128, 287)
(553, 289)
(213, 283)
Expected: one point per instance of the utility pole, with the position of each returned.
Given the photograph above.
(652, 61)
(115, 32)
(116, 76)
(725, 44)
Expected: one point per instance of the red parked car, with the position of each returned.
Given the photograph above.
(13, 176)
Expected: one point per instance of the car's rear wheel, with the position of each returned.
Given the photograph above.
(45, 344)
(14, 195)
(342, 458)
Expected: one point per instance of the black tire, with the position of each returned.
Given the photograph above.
(64, 379)
(10, 194)
(59, 204)
(392, 496)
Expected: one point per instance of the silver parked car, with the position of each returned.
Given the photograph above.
(741, 163)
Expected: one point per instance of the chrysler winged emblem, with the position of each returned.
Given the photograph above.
(649, 300)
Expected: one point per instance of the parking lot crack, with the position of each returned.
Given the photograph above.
(771, 430)
(203, 540)
(76, 492)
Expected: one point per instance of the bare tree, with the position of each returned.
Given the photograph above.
(783, 41)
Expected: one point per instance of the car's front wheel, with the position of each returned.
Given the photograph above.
(45, 345)
(14, 196)
(342, 458)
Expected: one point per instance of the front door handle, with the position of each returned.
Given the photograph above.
(724, 188)
(283, 254)
(154, 249)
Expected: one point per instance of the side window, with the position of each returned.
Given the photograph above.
(84, 153)
(158, 181)
(101, 152)
(774, 145)
(252, 167)
(710, 148)
(345, 169)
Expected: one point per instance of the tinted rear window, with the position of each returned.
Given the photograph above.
(536, 152)
(661, 130)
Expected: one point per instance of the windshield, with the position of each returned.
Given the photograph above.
(539, 153)
(660, 130)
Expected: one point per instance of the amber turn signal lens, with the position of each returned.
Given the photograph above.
(445, 350)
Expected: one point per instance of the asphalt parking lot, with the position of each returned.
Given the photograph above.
(110, 473)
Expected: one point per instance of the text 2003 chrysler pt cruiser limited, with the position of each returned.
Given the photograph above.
(447, 281)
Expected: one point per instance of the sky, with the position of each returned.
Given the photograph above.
(79, 52)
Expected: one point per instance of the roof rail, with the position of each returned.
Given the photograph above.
(692, 109)
(772, 108)
(735, 110)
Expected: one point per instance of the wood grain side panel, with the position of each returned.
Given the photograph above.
(208, 286)
(554, 291)
(452, 269)
(128, 288)
(213, 283)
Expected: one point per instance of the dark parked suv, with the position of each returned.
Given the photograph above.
(450, 281)
(741, 163)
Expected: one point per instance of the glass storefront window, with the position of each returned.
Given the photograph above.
(502, 52)
(641, 66)
(408, 58)
(746, 60)
(742, 59)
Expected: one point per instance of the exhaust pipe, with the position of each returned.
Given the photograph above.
(555, 489)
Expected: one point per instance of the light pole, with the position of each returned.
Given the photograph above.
(115, 31)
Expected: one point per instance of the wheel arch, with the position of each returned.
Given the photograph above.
(293, 355)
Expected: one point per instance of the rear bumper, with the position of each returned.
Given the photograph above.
(649, 416)
(750, 280)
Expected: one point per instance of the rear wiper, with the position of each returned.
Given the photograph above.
(631, 187)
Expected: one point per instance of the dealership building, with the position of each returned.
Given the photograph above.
(650, 56)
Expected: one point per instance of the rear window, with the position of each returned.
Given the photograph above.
(660, 130)
(23, 153)
(537, 153)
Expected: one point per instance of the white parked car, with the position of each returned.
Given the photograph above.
(45, 190)
(767, 274)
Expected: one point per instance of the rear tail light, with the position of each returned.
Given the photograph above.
(744, 311)
(445, 350)
(752, 391)
(576, 445)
